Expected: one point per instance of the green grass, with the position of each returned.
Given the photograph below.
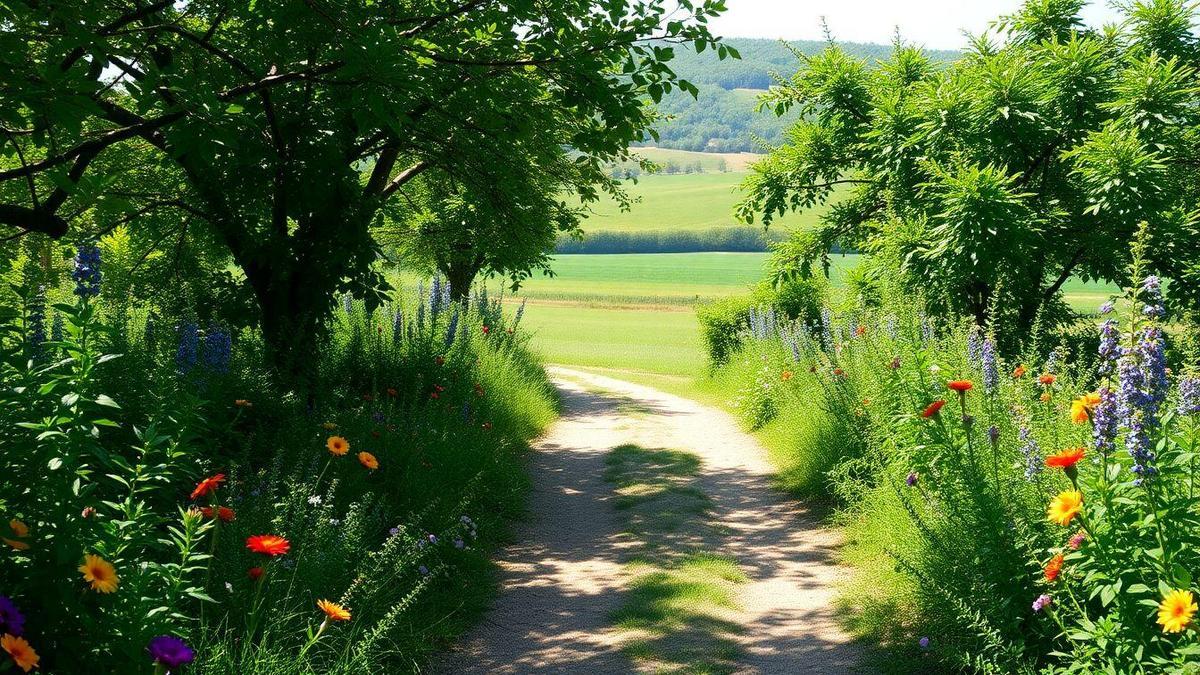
(647, 279)
(696, 201)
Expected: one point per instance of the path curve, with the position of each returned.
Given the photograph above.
(563, 578)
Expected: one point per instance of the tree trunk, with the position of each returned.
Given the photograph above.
(461, 274)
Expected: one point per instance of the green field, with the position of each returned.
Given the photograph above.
(696, 201)
(634, 314)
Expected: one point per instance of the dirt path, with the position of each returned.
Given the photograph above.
(564, 579)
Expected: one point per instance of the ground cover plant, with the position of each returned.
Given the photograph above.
(1030, 512)
(170, 505)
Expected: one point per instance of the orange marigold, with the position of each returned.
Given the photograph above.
(1047, 379)
(20, 652)
(368, 460)
(1019, 372)
(99, 573)
(1065, 459)
(961, 386)
(1053, 568)
(337, 445)
(1065, 507)
(268, 544)
(333, 611)
(785, 375)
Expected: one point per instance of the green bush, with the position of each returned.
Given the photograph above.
(723, 322)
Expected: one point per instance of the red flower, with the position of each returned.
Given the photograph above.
(392, 392)
(1065, 459)
(486, 330)
(839, 372)
(208, 485)
(225, 513)
(961, 386)
(933, 408)
(1047, 379)
(1053, 568)
(268, 544)
(255, 573)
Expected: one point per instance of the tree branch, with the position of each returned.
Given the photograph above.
(403, 177)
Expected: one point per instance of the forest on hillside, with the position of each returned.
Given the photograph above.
(723, 117)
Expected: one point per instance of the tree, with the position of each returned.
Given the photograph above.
(284, 127)
(991, 182)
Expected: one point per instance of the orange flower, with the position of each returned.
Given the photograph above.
(16, 544)
(1047, 379)
(1019, 372)
(932, 409)
(785, 375)
(839, 372)
(391, 391)
(1082, 407)
(337, 445)
(243, 403)
(255, 573)
(268, 544)
(860, 330)
(21, 653)
(99, 573)
(225, 513)
(961, 386)
(208, 485)
(1065, 459)
(1053, 568)
(333, 611)
(1045, 397)
(368, 460)
(19, 528)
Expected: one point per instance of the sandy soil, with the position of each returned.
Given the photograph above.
(564, 577)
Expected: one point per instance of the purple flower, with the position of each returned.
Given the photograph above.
(923, 643)
(974, 346)
(378, 417)
(1189, 396)
(394, 531)
(1142, 378)
(459, 543)
(188, 351)
(423, 570)
(433, 539)
(991, 374)
(1104, 422)
(911, 480)
(87, 271)
(170, 651)
(994, 434)
(1152, 296)
(1043, 601)
(1107, 307)
(217, 349)
(1032, 452)
(11, 619)
(1109, 347)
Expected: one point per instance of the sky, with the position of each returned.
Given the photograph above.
(935, 24)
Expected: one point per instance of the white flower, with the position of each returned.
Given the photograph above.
(935, 369)
(315, 500)
(228, 586)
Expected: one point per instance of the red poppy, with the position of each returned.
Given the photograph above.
(255, 573)
(1053, 568)
(1065, 459)
(933, 408)
(268, 544)
(961, 386)
(208, 485)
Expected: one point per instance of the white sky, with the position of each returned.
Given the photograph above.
(936, 24)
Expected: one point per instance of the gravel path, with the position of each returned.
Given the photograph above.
(564, 577)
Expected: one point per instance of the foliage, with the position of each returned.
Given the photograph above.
(724, 323)
(273, 134)
(724, 239)
(988, 183)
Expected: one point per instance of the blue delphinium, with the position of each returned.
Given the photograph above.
(991, 373)
(1151, 295)
(35, 321)
(1032, 453)
(1107, 307)
(827, 329)
(56, 327)
(188, 351)
(347, 303)
(975, 346)
(1189, 396)
(398, 325)
(87, 271)
(452, 328)
(217, 350)
(435, 297)
(1110, 347)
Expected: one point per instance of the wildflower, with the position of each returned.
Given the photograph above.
(255, 573)
(329, 426)
(911, 479)
(1176, 610)
(333, 611)
(459, 543)
(16, 544)
(88, 512)
(1109, 348)
(1107, 307)
(87, 271)
(19, 528)
(923, 643)
(785, 375)
(432, 538)
(188, 351)
(1082, 407)
(170, 651)
(337, 445)
(968, 420)
(1019, 372)
(974, 346)
(368, 460)
(860, 330)
(961, 386)
(207, 485)
(895, 363)
(1065, 459)
(99, 573)
(935, 369)
(1189, 396)
(314, 500)
(217, 347)
(1045, 397)
(423, 570)
(392, 393)
(1076, 540)
(839, 372)
(1065, 507)
(394, 531)
(1053, 568)
(11, 619)
(225, 513)
(243, 403)
(1043, 601)
(1047, 379)
(993, 433)
(932, 409)
(21, 653)
(486, 330)
(268, 544)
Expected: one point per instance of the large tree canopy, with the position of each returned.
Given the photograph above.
(992, 181)
(283, 127)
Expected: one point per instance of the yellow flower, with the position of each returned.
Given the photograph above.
(1065, 507)
(22, 654)
(19, 529)
(1176, 610)
(1081, 408)
(333, 610)
(99, 573)
(338, 445)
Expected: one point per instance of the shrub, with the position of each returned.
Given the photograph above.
(723, 321)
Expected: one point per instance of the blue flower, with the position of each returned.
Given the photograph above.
(1189, 396)
(1032, 453)
(188, 351)
(991, 374)
(87, 271)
